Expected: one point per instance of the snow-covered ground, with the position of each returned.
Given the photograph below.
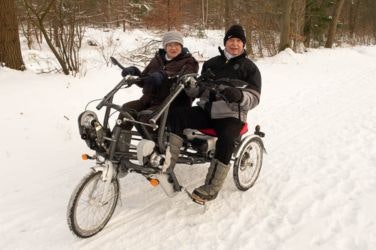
(317, 188)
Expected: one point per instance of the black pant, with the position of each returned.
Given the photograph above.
(227, 129)
(147, 102)
(136, 106)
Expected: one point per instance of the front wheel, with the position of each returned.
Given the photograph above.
(92, 204)
(248, 164)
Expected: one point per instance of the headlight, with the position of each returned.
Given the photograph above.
(86, 119)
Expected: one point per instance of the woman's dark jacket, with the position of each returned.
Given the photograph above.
(154, 94)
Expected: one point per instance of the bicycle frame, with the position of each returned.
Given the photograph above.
(123, 163)
(159, 116)
(113, 161)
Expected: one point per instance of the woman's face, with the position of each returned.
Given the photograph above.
(234, 46)
(173, 49)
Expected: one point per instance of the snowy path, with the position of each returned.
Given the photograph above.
(316, 189)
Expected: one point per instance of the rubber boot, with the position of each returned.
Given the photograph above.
(215, 178)
(172, 152)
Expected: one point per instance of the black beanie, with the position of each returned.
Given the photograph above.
(235, 31)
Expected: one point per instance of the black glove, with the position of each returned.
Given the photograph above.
(133, 71)
(155, 79)
(232, 94)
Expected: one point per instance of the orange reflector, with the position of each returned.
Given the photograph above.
(154, 182)
(84, 157)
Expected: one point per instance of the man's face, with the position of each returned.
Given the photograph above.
(173, 49)
(234, 46)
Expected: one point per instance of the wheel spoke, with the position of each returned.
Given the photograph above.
(89, 214)
(248, 165)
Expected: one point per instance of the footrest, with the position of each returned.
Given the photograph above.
(195, 198)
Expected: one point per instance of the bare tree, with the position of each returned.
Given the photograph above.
(285, 30)
(40, 15)
(353, 16)
(10, 50)
(227, 13)
(204, 7)
(333, 24)
(65, 31)
(107, 12)
(297, 24)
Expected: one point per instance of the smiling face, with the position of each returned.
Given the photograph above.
(173, 49)
(234, 46)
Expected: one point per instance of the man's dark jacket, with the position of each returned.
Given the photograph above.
(238, 72)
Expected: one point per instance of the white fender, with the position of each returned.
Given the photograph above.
(244, 142)
(107, 169)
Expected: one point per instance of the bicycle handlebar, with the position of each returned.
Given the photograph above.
(116, 62)
(127, 82)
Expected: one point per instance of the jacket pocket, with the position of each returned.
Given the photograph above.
(220, 109)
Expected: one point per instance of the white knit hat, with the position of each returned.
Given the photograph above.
(171, 37)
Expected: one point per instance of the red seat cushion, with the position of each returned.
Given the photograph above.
(212, 132)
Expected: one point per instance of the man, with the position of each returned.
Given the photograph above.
(239, 83)
(156, 85)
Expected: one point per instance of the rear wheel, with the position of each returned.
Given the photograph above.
(248, 164)
(92, 205)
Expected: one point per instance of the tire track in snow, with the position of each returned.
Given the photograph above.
(331, 114)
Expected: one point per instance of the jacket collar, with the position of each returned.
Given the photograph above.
(222, 52)
(162, 54)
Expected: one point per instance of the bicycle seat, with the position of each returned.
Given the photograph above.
(212, 132)
(145, 112)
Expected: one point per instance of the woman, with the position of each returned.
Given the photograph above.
(156, 85)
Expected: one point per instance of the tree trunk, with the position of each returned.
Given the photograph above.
(333, 24)
(53, 49)
(227, 16)
(29, 35)
(55, 26)
(285, 30)
(168, 16)
(108, 13)
(248, 31)
(307, 30)
(353, 16)
(10, 49)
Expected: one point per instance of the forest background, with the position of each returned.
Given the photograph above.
(271, 26)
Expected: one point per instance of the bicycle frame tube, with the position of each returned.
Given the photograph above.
(114, 143)
(166, 103)
(107, 113)
(162, 112)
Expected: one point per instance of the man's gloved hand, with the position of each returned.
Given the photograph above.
(132, 70)
(155, 79)
(232, 94)
(190, 82)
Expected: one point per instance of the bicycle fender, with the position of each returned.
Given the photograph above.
(244, 142)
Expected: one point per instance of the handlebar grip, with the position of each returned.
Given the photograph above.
(101, 104)
(116, 62)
